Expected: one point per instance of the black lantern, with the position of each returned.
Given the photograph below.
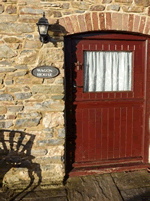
(43, 26)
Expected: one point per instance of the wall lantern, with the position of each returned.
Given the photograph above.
(43, 26)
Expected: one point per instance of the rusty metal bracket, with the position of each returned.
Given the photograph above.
(78, 65)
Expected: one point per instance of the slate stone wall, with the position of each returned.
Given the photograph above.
(34, 105)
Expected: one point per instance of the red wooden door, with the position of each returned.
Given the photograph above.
(109, 125)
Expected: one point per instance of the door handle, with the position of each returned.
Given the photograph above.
(75, 86)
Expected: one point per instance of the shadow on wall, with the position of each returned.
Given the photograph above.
(56, 33)
(15, 152)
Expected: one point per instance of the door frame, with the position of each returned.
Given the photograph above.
(70, 117)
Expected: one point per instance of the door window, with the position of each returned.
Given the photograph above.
(107, 71)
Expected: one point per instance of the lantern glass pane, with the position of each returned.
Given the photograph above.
(43, 29)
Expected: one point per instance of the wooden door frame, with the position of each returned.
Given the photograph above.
(70, 125)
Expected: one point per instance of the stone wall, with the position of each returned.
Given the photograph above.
(35, 106)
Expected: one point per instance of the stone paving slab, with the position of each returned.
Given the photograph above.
(131, 180)
(56, 192)
(140, 194)
(92, 188)
(46, 199)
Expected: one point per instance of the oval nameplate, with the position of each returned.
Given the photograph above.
(45, 72)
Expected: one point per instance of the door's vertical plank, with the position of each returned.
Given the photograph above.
(123, 132)
(92, 134)
(79, 144)
(95, 153)
(98, 134)
(92, 95)
(139, 72)
(78, 74)
(85, 125)
(107, 131)
(126, 127)
(129, 131)
(111, 95)
(146, 140)
(120, 118)
(105, 95)
(111, 133)
(85, 95)
(117, 132)
(130, 95)
(118, 95)
(104, 133)
(137, 131)
(99, 95)
(124, 95)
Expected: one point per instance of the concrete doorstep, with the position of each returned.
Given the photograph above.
(123, 186)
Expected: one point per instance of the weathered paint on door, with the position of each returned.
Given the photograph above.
(108, 128)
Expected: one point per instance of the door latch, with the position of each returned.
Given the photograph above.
(78, 65)
(75, 86)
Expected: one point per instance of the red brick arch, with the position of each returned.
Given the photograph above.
(93, 21)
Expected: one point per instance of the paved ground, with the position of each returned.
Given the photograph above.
(36, 195)
(124, 186)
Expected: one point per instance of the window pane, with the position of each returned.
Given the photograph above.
(107, 71)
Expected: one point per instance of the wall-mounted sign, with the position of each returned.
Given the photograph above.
(45, 72)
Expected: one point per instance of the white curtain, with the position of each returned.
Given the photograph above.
(107, 71)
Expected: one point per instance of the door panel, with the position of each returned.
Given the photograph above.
(108, 131)
(138, 50)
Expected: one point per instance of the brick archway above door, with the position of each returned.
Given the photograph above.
(96, 21)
